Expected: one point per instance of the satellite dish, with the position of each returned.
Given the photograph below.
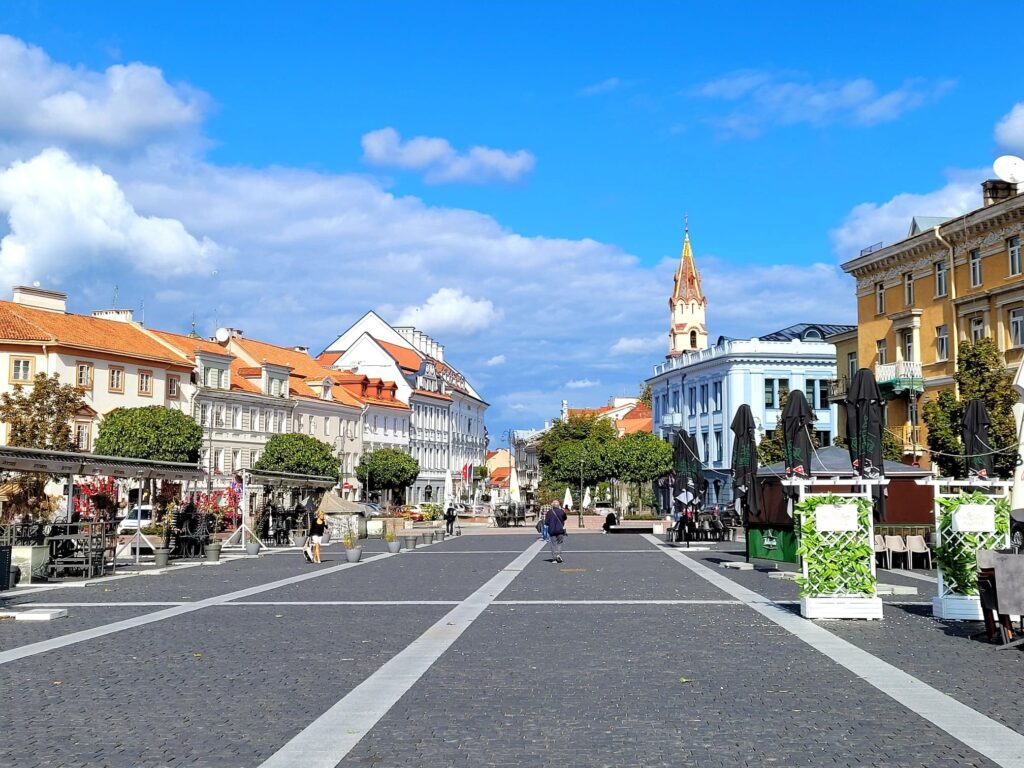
(1009, 168)
(222, 335)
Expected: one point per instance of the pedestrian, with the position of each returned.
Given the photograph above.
(449, 520)
(316, 533)
(609, 521)
(555, 520)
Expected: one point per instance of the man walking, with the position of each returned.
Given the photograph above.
(555, 520)
(449, 520)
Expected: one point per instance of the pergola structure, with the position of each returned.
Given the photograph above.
(280, 480)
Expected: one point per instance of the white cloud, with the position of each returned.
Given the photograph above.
(449, 310)
(580, 384)
(64, 217)
(766, 98)
(888, 222)
(640, 345)
(496, 360)
(440, 162)
(605, 86)
(122, 106)
(1010, 130)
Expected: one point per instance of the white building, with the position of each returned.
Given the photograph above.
(700, 390)
(447, 430)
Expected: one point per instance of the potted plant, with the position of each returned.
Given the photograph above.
(252, 546)
(350, 540)
(162, 554)
(391, 539)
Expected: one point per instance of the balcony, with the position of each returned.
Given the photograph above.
(896, 378)
(837, 389)
(911, 439)
(671, 419)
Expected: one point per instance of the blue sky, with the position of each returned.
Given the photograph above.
(510, 176)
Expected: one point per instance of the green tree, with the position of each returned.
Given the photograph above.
(588, 461)
(299, 454)
(646, 395)
(388, 469)
(980, 373)
(40, 417)
(892, 447)
(152, 432)
(641, 457)
(573, 429)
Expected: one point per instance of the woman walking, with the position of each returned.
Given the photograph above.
(316, 533)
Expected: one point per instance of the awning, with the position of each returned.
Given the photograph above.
(15, 459)
(287, 479)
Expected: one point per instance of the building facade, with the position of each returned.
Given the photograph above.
(947, 283)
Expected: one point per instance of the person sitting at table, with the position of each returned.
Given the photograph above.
(719, 527)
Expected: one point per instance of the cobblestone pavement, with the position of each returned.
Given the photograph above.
(570, 665)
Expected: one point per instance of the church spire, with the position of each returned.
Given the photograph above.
(687, 331)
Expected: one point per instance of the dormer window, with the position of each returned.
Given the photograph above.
(812, 334)
(275, 387)
(212, 378)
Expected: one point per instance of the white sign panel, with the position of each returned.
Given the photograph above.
(974, 518)
(835, 517)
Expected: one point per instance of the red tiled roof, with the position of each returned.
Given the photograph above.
(639, 419)
(18, 321)
(590, 411)
(499, 477)
(327, 359)
(188, 345)
(406, 358)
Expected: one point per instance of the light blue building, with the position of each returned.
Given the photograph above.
(698, 388)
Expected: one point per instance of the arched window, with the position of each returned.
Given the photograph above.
(693, 339)
(428, 493)
(812, 333)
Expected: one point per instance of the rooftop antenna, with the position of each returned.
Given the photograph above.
(192, 334)
(1009, 168)
(142, 311)
(113, 304)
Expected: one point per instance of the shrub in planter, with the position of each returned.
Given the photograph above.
(957, 555)
(834, 568)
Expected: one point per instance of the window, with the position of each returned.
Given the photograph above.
(1013, 249)
(253, 458)
(236, 417)
(327, 427)
(204, 414)
(145, 383)
(718, 444)
(941, 288)
(173, 386)
(942, 342)
(253, 419)
(707, 457)
(718, 395)
(312, 425)
(224, 383)
(212, 378)
(275, 387)
(21, 369)
(218, 459)
(693, 400)
(851, 364)
(824, 437)
(783, 390)
(115, 379)
(908, 288)
(675, 401)
(977, 329)
(809, 390)
(882, 348)
(218, 415)
(823, 395)
(83, 432)
(1017, 327)
(704, 398)
(879, 299)
(908, 345)
(975, 260)
(236, 460)
(298, 424)
(769, 393)
(693, 339)
(83, 375)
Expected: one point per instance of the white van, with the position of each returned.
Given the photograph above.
(133, 520)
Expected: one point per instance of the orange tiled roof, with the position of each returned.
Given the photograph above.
(406, 358)
(590, 411)
(499, 477)
(327, 359)
(428, 393)
(490, 455)
(82, 331)
(188, 345)
(639, 419)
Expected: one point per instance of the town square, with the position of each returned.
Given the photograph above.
(510, 384)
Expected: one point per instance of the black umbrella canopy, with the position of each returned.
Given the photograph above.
(797, 419)
(690, 480)
(744, 461)
(864, 424)
(975, 437)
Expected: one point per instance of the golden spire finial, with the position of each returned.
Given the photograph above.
(686, 224)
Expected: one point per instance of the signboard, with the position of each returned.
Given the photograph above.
(974, 518)
(768, 543)
(835, 517)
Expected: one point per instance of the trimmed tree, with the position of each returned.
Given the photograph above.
(587, 461)
(980, 373)
(152, 432)
(640, 458)
(40, 416)
(387, 469)
(299, 454)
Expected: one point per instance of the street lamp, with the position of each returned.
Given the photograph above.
(579, 504)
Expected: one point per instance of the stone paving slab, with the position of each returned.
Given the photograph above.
(756, 696)
(17, 633)
(220, 688)
(411, 576)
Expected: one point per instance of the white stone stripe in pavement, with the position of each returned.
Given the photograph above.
(326, 741)
(1000, 744)
(148, 618)
(909, 575)
(242, 603)
(617, 602)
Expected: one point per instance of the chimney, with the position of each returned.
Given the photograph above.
(303, 350)
(40, 298)
(119, 315)
(996, 190)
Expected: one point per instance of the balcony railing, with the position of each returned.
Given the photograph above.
(912, 438)
(899, 377)
(672, 419)
(837, 388)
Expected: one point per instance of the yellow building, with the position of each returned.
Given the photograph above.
(949, 281)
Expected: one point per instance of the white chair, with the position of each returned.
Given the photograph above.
(916, 546)
(897, 546)
(880, 549)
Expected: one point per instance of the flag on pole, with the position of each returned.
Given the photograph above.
(464, 466)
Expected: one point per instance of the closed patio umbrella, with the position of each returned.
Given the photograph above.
(797, 418)
(864, 432)
(691, 485)
(744, 462)
(975, 437)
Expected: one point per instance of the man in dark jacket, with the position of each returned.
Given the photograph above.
(555, 520)
(449, 520)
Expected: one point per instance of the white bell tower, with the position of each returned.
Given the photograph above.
(687, 329)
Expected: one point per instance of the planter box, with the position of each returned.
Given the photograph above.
(960, 607)
(841, 607)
